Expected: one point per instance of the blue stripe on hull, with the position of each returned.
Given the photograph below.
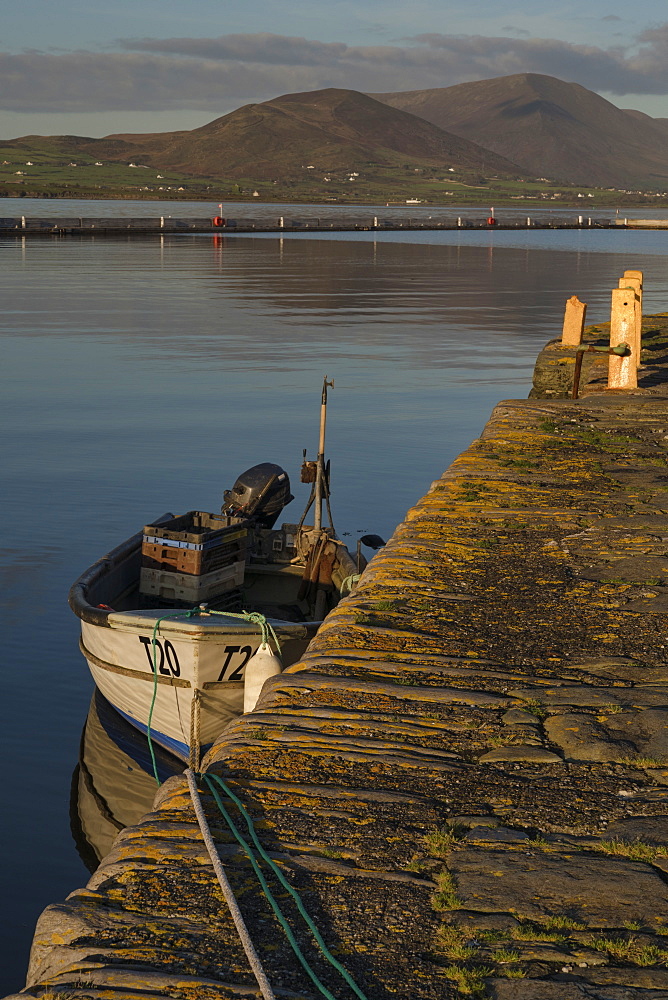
(177, 747)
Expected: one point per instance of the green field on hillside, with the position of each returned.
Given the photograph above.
(38, 170)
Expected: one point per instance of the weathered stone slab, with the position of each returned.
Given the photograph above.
(289, 683)
(529, 754)
(658, 774)
(469, 822)
(581, 737)
(643, 977)
(544, 989)
(518, 717)
(598, 891)
(632, 569)
(581, 696)
(612, 736)
(649, 829)
(648, 730)
(499, 834)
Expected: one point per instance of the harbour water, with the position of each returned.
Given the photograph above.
(143, 375)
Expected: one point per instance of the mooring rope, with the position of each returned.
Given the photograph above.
(193, 613)
(255, 618)
(195, 738)
(286, 885)
(191, 776)
(242, 930)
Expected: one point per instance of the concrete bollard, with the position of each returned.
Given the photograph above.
(574, 321)
(635, 284)
(634, 274)
(622, 372)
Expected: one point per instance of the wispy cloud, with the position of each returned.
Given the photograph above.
(512, 30)
(208, 73)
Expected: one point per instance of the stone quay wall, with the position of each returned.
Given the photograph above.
(466, 777)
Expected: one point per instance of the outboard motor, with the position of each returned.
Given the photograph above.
(260, 493)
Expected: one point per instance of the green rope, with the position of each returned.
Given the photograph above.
(251, 616)
(286, 885)
(177, 614)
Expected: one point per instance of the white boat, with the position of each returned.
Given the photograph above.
(179, 645)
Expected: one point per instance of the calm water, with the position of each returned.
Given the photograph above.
(143, 376)
(48, 208)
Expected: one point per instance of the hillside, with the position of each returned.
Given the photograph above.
(328, 129)
(550, 128)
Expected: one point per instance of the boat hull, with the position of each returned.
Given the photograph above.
(182, 672)
(203, 657)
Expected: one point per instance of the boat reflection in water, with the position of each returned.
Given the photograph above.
(113, 784)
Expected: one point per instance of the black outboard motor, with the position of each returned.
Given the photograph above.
(260, 493)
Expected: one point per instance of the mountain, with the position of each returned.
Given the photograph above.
(657, 123)
(326, 129)
(550, 128)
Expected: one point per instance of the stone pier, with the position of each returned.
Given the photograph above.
(466, 777)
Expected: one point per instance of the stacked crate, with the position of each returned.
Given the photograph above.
(194, 557)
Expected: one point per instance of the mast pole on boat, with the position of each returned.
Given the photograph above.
(320, 465)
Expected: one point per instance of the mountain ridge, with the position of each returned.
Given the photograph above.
(330, 129)
(522, 127)
(553, 128)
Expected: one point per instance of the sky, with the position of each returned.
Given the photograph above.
(95, 67)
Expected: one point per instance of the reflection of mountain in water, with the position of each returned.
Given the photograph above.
(113, 784)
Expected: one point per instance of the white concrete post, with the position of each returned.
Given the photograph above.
(574, 321)
(636, 285)
(281, 222)
(375, 222)
(622, 372)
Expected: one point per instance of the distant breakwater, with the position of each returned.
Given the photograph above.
(163, 225)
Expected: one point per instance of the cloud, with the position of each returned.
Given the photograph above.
(262, 48)
(512, 30)
(206, 74)
(611, 17)
(639, 69)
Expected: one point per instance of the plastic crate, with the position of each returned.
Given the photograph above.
(191, 589)
(196, 543)
(231, 600)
